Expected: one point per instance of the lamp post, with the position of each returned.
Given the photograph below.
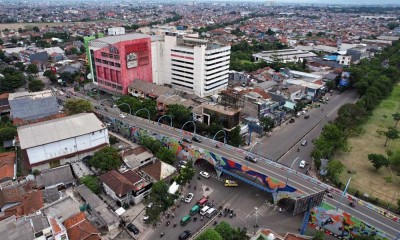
(219, 132)
(148, 113)
(256, 209)
(194, 124)
(254, 146)
(287, 177)
(158, 121)
(130, 110)
(103, 100)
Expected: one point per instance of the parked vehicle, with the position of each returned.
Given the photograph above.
(185, 235)
(302, 164)
(187, 140)
(211, 212)
(303, 143)
(185, 220)
(122, 115)
(202, 201)
(195, 209)
(204, 210)
(131, 227)
(230, 183)
(196, 139)
(204, 174)
(189, 197)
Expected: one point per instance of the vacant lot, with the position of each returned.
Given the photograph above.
(364, 177)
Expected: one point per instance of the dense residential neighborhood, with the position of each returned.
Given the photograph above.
(199, 120)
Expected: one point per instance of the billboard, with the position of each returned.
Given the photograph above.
(308, 202)
(131, 60)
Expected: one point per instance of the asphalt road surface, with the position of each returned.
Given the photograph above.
(388, 226)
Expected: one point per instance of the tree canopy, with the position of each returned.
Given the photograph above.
(13, 79)
(76, 106)
(106, 159)
(378, 160)
(36, 85)
(335, 168)
(235, 139)
(161, 200)
(32, 69)
(92, 183)
(210, 234)
(180, 114)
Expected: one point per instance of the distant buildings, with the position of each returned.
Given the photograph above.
(116, 31)
(285, 55)
(51, 143)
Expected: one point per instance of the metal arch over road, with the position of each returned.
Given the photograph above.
(131, 126)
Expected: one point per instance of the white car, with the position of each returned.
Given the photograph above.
(122, 115)
(189, 197)
(205, 174)
(145, 218)
(302, 164)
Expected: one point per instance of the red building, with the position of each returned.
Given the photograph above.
(121, 59)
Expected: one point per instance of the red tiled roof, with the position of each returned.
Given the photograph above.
(79, 228)
(117, 182)
(28, 202)
(154, 170)
(54, 224)
(7, 160)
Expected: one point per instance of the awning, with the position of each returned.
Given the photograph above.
(289, 105)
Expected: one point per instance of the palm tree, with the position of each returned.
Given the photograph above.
(396, 117)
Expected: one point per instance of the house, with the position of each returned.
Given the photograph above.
(60, 141)
(125, 187)
(68, 68)
(61, 209)
(159, 170)
(138, 156)
(7, 162)
(14, 229)
(56, 177)
(79, 228)
(4, 104)
(142, 89)
(101, 214)
(164, 101)
(32, 105)
(41, 226)
(208, 112)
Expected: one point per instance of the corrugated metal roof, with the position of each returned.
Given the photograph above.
(120, 38)
(58, 129)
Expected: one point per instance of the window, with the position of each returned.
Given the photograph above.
(116, 57)
(111, 63)
(105, 62)
(98, 60)
(110, 55)
(118, 65)
(103, 54)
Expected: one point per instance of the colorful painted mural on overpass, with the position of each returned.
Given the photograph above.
(341, 224)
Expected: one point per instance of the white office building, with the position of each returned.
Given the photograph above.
(116, 31)
(191, 64)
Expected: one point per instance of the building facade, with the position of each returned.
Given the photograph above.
(121, 59)
(193, 65)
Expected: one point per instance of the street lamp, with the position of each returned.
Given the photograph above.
(219, 132)
(287, 177)
(148, 113)
(130, 110)
(254, 146)
(107, 99)
(158, 121)
(256, 209)
(194, 124)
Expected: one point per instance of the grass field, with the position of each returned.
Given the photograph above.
(364, 177)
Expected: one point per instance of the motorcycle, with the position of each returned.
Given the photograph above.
(162, 234)
(352, 204)
(215, 223)
(168, 223)
(330, 195)
(194, 187)
(174, 224)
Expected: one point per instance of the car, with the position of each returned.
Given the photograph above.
(96, 107)
(303, 143)
(196, 139)
(204, 174)
(131, 227)
(114, 106)
(189, 197)
(304, 112)
(250, 158)
(150, 205)
(187, 140)
(291, 120)
(122, 115)
(145, 218)
(108, 124)
(185, 235)
(302, 164)
(68, 96)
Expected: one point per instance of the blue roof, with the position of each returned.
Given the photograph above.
(330, 57)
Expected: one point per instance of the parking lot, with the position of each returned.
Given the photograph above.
(248, 203)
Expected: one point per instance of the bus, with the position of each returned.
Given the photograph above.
(185, 220)
(195, 209)
(230, 183)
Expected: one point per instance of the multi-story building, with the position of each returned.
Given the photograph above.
(119, 60)
(192, 65)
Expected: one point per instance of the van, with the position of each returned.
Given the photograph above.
(185, 220)
(211, 212)
(195, 209)
(230, 183)
(204, 210)
(202, 201)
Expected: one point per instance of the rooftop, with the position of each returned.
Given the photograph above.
(63, 208)
(55, 176)
(7, 161)
(120, 183)
(79, 228)
(58, 129)
(120, 38)
(13, 229)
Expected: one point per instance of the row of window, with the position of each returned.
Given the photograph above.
(175, 60)
(105, 62)
(210, 59)
(182, 85)
(118, 87)
(217, 86)
(110, 55)
(177, 70)
(225, 51)
(176, 65)
(174, 74)
(108, 74)
(182, 81)
(180, 51)
(223, 61)
(216, 76)
(221, 68)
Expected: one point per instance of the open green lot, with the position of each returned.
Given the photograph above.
(364, 177)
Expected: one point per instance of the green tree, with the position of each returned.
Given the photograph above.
(36, 29)
(166, 155)
(51, 75)
(36, 85)
(106, 159)
(225, 229)
(161, 200)
(320, 235)
(378, 160)
(180, 114)
(1, 41)
(92, 183)
(20, 66)
(309, 34)
(113, 140)
(77, 106)
(32, 69)
(394, 159)
(209, 234)
(67, 77)
(185, 174)
(235, 139)
(267, 123)
(396, 117)
(7, 133)
(82, 49)
(13, 79)
(152, 144)
(392, 133)
(335, 168)
(240, 234)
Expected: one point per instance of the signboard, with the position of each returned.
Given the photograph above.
(302, 204)
(131, 60)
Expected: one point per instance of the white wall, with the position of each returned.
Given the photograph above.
(67, 146)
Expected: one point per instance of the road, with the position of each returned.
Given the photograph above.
(295, 180)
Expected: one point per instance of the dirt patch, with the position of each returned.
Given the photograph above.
(364, 177)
